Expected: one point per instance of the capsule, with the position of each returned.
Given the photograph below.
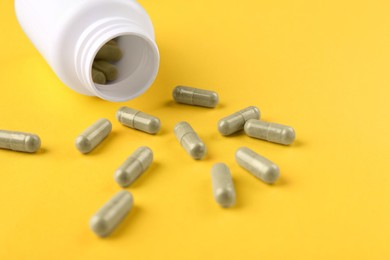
(109, 52)
(137, 120)
(281, 134)
(111, 214)
(19, 141)
(195, 96)
(134, 166)
(112, 42)
(235, 122)
(109, 70)
(223, 186)
(98, 77)
(190, 140)
(93, 135)
(257, 165)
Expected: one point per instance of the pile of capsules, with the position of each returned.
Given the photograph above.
(116, 209)
(103, 68)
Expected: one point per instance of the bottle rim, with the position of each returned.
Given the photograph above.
(138, 68)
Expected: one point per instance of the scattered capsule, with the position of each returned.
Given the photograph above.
(235, 122)
(112, 42)
(272, 132)
(190, 140)
(112, 213)
(93, 135)
(223, 186)
(136, 119)
(109, 70)
(18, 141)
(256, 164)
(109, 52)
(98, 77)
(195, 96)
(134, 166)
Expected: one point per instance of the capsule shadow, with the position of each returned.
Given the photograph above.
(163, 131)
(238, 187)
(174, 104)
(238, 133)
(220, 106)
(170, 103)
(297, 143)
(42, 151)
(39, 152)
(132, 131)
(282, 181)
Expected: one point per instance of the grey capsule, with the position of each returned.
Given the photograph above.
(138, 120)
(235, 122)
(93, 135)
(223, 186)
(19, 141)
(281, 134)
(195, 96)
(190, 141)
(98, 77)
(109, 70)
(134, 166)
(111, 214)
(109, 52)
(112, 42)
(256, 164)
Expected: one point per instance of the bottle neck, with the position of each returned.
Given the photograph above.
(136, 70)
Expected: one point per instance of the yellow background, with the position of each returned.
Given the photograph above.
(319, 66)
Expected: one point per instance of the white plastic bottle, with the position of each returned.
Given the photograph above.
(69, 33)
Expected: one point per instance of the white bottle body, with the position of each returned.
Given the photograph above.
(69, 33)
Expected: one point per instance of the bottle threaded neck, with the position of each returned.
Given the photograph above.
(136, 70)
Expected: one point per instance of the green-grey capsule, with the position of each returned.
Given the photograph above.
(190, 141)
(93, 135)
(109, 52)
(98, 77)
(256, 164)
(19, 141)
(111, 214)
(195, 96)
(112, 42)
(281, 134)
(134, 166)
(109, 70)
(136, 119)
(223, 186)
(235, 122)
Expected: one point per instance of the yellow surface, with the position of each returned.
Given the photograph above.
(320, 66)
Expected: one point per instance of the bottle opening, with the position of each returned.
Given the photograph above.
(136, 69)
